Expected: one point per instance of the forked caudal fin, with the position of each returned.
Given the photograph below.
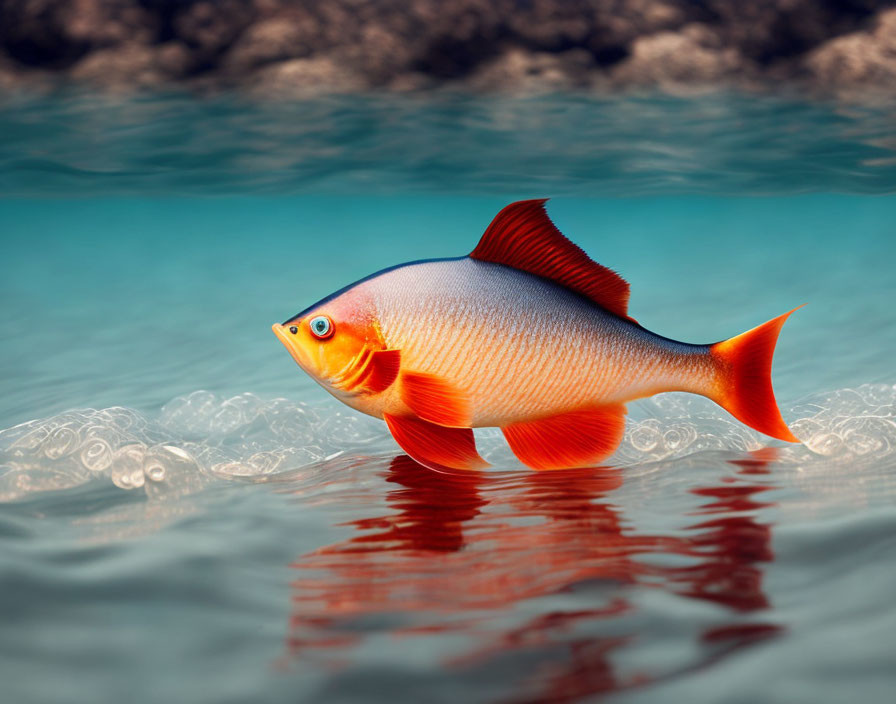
(745, 375)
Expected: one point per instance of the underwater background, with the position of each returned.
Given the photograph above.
(186, 516)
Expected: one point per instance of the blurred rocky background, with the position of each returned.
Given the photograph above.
(283, 47)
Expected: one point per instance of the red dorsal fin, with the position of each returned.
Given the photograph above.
(522, 236)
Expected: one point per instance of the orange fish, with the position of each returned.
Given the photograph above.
(526, 334)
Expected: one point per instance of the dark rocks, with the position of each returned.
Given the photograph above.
(694, 56)
(768, 32)
(301, 46)
(518, 71)
(133, 65)
(864, 62)
(305, 77)
(54, 35)
(209, 29)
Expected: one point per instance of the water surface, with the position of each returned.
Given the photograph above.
(186, 517)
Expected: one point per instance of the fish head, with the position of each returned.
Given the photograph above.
(332, 340)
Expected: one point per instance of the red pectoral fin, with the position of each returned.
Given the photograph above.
(435, 399)
(435, 446)
(371, 372)
(576, 439)
(384, 368)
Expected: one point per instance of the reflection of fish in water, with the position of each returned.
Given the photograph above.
(527, 334)
(542, 566)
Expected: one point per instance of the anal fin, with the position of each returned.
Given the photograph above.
(435, 446)
(580, 438)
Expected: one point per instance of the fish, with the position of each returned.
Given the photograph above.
(526, 334)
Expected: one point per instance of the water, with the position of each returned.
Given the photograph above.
(186, 517)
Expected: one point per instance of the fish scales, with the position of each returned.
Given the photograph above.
(493, 320)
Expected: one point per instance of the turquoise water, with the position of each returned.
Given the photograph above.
(186, 516)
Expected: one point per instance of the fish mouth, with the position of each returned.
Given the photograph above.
(282, 333)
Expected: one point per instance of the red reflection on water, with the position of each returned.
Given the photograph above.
(453, 553)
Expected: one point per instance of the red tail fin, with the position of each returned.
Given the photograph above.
(745, 376)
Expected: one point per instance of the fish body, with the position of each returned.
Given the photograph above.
(518, 345)
(526, 334)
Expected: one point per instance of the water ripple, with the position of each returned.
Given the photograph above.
(573, 145)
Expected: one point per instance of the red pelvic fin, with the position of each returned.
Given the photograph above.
(580, 438)
(435, 446)
(522, 236)
(435, 399)
(745, 371)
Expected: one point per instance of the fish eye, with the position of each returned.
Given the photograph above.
(321, 326)
(293, 329)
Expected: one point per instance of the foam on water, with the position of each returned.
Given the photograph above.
(201, 437)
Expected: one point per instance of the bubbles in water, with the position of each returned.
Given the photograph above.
(197, 437)
(678, 425)
(849, 423)
(825, 443)
(126, 471)
(155, 472)
(846, 424)
(61, 441)
(291, 422)
(200, 437)
(646, 436)
(96, 454)
(170, 471)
